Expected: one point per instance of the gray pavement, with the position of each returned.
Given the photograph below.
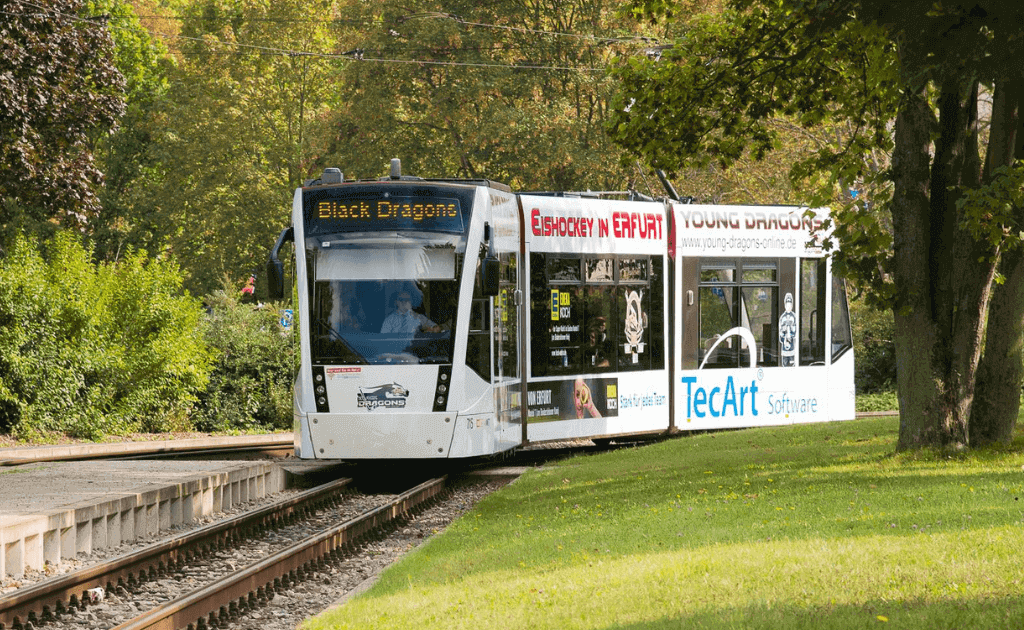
(51, 511)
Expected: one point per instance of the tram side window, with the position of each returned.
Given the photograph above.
(598, 339)
(593, 314)
(812, 311)
(556, 314)
(565, 328)
(719, 299)
(657, 312)
(506, 349)
(732, 295)
(540, 305)
(598, 348)
(842, 337)
(760, 308)
(478, 348)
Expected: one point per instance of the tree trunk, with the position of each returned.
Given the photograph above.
(914, 329)
(998, 388)
(943, 273)
(997, 392)
(963, 267)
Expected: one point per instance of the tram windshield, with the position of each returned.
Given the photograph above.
(384, 299)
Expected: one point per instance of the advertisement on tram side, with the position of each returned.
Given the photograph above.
(718, 399)
(747, 230)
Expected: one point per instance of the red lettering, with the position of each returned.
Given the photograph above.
(545, 225)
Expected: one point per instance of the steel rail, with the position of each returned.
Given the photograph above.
(244, 588)
(33, 603)
(19, 455)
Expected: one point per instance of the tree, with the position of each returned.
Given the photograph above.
(124, 156)
(919, 66)
(234, 135)
(513, 91)
(58, 93)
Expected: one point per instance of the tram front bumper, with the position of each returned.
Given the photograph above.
(379, 436)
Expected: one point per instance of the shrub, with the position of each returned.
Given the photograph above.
(90, 350)
(250, 387)
(879, 401)
(874, 349)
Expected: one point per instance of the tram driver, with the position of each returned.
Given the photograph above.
(406, 321)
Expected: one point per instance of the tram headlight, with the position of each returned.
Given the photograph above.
(322, 400)
(320, 389)
(442, 388)
(440, 400)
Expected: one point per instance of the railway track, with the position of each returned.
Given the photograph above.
(278, 444)
(325, 525)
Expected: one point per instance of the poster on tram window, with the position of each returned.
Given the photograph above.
(574, 399)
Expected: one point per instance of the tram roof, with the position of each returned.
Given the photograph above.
(410, 179)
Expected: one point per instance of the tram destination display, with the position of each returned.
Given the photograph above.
(329, 211)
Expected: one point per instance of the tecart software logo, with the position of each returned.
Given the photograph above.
(720, 401)
(738, 399)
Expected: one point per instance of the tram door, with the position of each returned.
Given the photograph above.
(507, 375)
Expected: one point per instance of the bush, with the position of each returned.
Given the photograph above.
(880, 401)
(874, 349)
(251, 385)
(91, 350)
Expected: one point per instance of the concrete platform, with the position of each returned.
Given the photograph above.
(56, 510)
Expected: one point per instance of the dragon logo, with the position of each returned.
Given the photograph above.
(390, 395)
(636, 322)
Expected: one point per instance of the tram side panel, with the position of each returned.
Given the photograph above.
(303, 394)
(842, 390)
(597, 317)
(489, 419)
(755, 330)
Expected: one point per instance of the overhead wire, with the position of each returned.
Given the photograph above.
(532, 31)
(359, 53)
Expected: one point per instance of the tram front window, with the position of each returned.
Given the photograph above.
(396, 320)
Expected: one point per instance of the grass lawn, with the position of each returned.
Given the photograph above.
(818, 526)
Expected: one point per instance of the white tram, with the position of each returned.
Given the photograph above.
(456, 319)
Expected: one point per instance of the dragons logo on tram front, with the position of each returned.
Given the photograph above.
(390, 395)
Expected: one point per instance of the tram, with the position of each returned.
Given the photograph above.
(457, 319)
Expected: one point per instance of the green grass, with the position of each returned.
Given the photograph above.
(817, 526)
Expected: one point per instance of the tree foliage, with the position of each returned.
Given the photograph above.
(234, 135)
(124, 156)
(512, 91)
(736, 80)
(58, 93)
(904, 79)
